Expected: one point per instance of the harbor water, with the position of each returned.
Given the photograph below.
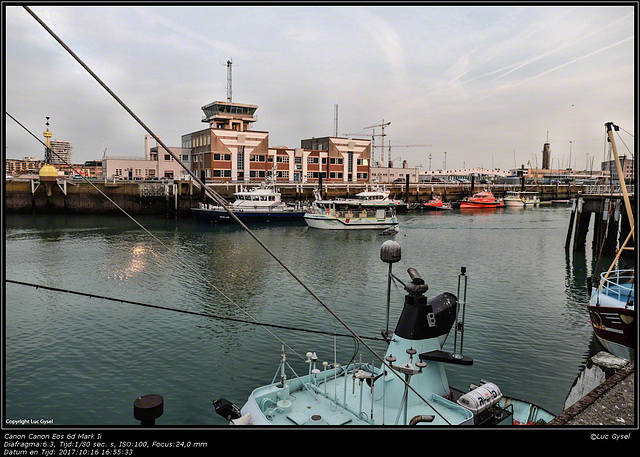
(74, 360)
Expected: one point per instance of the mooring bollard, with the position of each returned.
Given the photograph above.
(148, 408)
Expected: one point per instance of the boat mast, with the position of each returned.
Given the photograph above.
(625, 196)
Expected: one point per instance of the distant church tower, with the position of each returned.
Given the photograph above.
(546, 156)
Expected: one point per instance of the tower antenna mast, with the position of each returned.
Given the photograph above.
(229, 64)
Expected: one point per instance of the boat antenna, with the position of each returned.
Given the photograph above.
(390, 252)
(462, 303)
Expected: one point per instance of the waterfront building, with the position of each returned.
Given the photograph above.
(462, 174)
(60, 152)
(22, 166)
(156, 164)
(627, 165)
(562, 175)
(337, 159)
(395, 174)
(228, 150)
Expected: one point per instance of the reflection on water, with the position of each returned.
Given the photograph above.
(526, 325)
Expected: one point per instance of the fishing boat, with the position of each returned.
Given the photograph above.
(484, 199)
(521, 198)
(348, 214)
(260, 204)
(407, 387)
(612, 312)
(435, 204)
(612, 302)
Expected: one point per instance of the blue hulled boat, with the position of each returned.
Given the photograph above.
(260, 204)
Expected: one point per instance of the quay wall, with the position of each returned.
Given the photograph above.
(175, 199)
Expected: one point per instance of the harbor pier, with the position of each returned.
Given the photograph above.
(610, 396)
(175, 198)
(605, 205)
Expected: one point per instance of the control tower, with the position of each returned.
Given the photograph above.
(229, 115)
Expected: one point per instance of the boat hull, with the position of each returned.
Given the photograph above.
(514, 203)
(327, 222)
(469, 205)
(615, 329)
(223, 217)
(612, 313)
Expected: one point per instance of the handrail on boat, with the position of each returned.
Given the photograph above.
(614, 285)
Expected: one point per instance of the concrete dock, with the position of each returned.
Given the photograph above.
(611, 403)
(176, 198)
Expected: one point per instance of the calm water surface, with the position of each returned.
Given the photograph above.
(83, 361)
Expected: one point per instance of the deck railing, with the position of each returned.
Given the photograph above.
(607, 189)
(619, 284)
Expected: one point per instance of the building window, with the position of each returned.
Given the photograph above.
(350, 161)
(167, 157)
(221, 173)
(282, 159)
(298, 160)
(312, 160)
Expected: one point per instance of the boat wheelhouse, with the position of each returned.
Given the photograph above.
(379, 197)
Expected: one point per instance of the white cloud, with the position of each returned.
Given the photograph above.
(474, 81)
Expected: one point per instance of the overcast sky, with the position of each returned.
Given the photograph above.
(488, 85)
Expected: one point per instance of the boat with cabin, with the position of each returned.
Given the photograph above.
(484, 199)
(379, 197)
(521, 198)
(259, 204)
(611, 304)
(408, 387)
(435, 204)
(348, 214)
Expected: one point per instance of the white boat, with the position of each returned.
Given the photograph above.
(379, 197)
(260, 204)
(521, 198)
(349, 214)
(408, 387)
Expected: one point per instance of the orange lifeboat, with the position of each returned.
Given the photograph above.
(484, 199)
